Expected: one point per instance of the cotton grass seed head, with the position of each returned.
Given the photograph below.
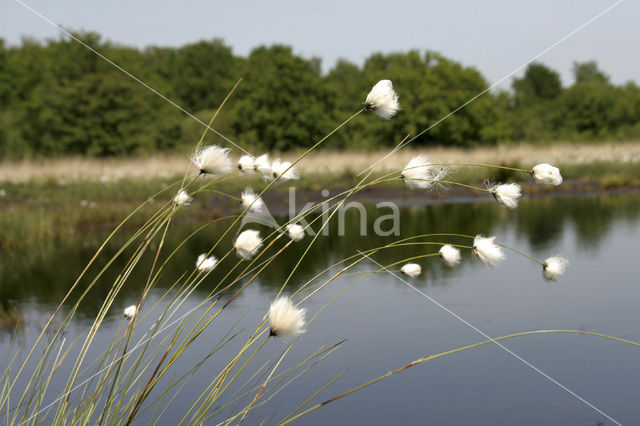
(411, 270)
(507, 194)
(285, 319)
(248, 243)
(419, 173)
(212, 159)
(547, 174)
(284, 170)
(553, 267)
(205, 264)
(182, 198)
(262, 165)
(130, 312)
(449, 255)
(251, 201)
(246, 164)
(295, 231)
(487, 250)
(383, 100)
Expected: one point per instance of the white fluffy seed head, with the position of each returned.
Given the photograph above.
(262, 165)
(411, 269)
(130, 312)
(507, 194)
(212, 159)
(295, 231)
(284, 170)
(553, 267)
(546, 173)
(246, 164)
(419, 173)
(285, 319)
(251, 201)
(248, 243)
(449, 255)
(383, 100)
(205, 264)
(182, 198)
(487, 250)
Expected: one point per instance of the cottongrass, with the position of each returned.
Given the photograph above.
(546, 173)
(285, 319)
(283, 170)
(212, 159)
(251, 201)
(246, 164)
(182, 198)
(411, 270)
(507, 194)
(262, 165)
(383, 100)
(205, 264)
(553, 267)
(419, 173)
(449, 254)
(295, 231)
(248, 243)
(130, 312)
(487, 250)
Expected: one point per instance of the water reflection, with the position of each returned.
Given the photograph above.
(42, 277)
(388, 324)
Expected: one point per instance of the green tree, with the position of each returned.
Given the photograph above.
(597, 110)
(538, 82)
(202, 73)
(588, 72)
(431, 86)
(27, 67)
(67, 60)
(57, 97)
(282, 102)
(100, 114)
(534, 102)
(347, 89)
(585, 110)
(593, 108)
(5, 80)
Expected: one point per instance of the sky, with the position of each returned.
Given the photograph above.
(495, 36)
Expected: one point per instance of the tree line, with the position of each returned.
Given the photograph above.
(59, 98)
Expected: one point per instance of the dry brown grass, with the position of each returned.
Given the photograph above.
(324, 162)
(525, 154)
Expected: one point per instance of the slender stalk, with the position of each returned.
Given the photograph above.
(224, 101)
(72, 288)
(95, 256)
(306, 401)
(303, 155)
(144, 391)
(273, 370)
(450, 352)
(131, 325)
(521, 253)
(492, 166)
(324, 224)
(224, 194)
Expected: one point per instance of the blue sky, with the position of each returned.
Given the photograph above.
(496, 36)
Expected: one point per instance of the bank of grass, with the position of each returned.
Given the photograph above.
(43, 201)
(596, 158)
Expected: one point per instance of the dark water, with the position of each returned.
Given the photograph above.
(387, 324)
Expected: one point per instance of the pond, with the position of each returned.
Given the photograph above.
(382, 321)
